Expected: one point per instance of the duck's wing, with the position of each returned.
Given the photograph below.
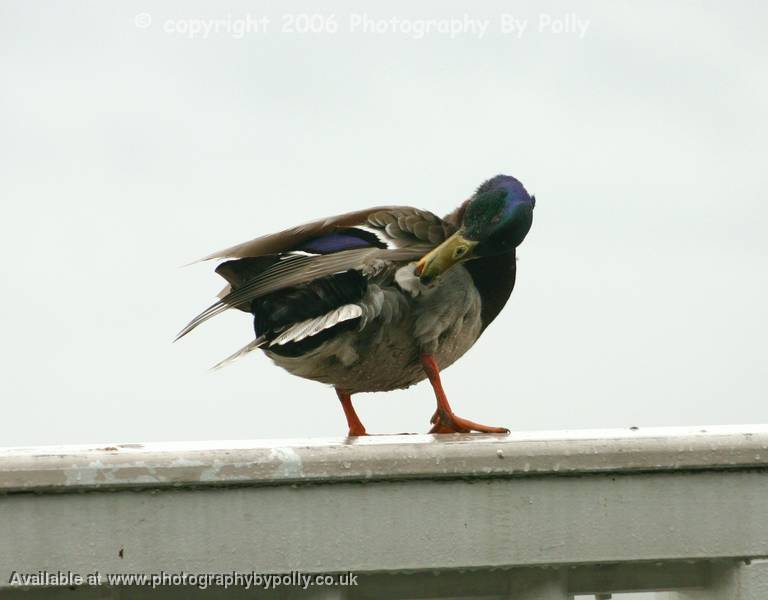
(388, 223)
(357, 241)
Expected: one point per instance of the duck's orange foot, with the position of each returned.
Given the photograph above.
(356, 427)
(357, 431)
(446, 422)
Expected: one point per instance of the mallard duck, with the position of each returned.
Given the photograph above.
(379, 299)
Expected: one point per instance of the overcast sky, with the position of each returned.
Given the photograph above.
(139, 136)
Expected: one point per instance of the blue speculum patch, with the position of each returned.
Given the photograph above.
(347, 239)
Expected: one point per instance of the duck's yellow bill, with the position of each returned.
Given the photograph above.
(452, 251)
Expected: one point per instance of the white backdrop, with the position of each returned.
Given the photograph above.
(134, 141)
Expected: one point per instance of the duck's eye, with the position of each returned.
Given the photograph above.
(459, 252)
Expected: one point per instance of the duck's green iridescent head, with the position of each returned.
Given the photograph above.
(496, 220)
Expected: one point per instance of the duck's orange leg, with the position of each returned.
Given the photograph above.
(444, 421)
(356, 427)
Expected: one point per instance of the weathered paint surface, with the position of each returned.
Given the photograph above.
(541, 516)
(381, 457)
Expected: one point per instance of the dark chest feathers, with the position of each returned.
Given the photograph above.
(494, 278)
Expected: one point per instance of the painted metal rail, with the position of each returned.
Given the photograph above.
(531, 515)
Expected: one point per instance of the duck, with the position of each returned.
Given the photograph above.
(379, 299)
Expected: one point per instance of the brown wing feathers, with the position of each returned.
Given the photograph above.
(266, 264)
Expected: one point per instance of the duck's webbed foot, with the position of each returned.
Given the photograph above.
(447, 422)
(444, 420)
(356, 427)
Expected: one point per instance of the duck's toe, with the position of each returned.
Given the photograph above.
(446, 422)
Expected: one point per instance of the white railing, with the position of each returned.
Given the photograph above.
(530, 515)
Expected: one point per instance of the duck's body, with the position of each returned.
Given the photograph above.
(384, 354)
(371, 301)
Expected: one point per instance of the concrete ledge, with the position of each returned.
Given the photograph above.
(378, 458)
